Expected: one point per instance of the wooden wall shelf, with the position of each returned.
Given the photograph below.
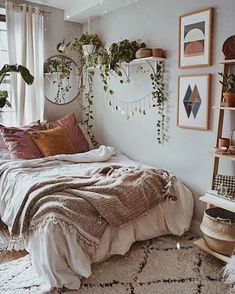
(228, 61)
(218, 201)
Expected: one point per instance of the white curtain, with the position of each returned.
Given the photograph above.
(25, 45)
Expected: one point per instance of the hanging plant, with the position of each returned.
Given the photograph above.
(59, 70)
(159, 98)
(87, 62)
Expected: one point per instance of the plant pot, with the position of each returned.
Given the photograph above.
(224, 142)
(157, 52)
(88, 49)
(143, 53)
(229, 99)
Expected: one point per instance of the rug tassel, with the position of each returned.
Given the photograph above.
(229, 271)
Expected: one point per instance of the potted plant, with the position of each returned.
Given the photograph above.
(87, 43)
(228, 82)
(111, 59)
(4, 72)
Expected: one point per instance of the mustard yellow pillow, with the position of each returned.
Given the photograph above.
(53, 141)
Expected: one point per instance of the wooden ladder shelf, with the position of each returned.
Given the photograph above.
(209, 198)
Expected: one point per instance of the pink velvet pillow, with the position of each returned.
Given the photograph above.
(19, 143)
(72, 130)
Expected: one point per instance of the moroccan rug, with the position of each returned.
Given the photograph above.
(165, 265)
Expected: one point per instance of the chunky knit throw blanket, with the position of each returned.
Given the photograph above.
(112, 195)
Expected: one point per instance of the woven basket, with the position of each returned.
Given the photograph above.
(143, 53)
(218, 227)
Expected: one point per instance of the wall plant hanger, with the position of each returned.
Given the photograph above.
(62, 79)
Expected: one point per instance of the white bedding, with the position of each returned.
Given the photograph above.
(54, 250)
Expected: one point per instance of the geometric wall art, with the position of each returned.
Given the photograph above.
(193, 101)
(195, 39)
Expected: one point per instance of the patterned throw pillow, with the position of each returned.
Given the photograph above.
(52, 142)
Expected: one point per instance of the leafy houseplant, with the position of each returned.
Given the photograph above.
(4, 72)
(111, 59)
(228, 82)
(87, 43)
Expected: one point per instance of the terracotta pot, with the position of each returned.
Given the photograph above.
(224, 142)
(229, 99)
(157, 52)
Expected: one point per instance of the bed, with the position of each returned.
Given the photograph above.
(56, 254)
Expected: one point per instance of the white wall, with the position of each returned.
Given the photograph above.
(187, 152)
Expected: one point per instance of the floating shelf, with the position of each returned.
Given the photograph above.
(225, 156)
(224, 108)
(146, 59)
(201, 244)
(228, 61)
(139, 61)
(218, 201)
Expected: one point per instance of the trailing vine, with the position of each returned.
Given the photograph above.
(87, 108)
(86, 64)
(159, 99)
(61, 67)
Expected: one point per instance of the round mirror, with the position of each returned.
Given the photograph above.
(61, 79)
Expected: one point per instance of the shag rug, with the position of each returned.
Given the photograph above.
(164, 265)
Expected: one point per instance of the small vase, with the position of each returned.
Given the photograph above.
(229, 99)
(88, 49)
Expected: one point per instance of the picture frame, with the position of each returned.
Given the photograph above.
(193, 101)
(195, 39)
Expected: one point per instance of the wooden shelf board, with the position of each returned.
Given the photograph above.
(141, 60)
(225, 156)
(228, 61)
(202, 245)
(218, 201)
(138, 61)
(224, 108)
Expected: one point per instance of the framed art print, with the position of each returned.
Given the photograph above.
(193, 101)
(195, 33)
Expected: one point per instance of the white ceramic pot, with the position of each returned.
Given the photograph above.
(88, 49)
